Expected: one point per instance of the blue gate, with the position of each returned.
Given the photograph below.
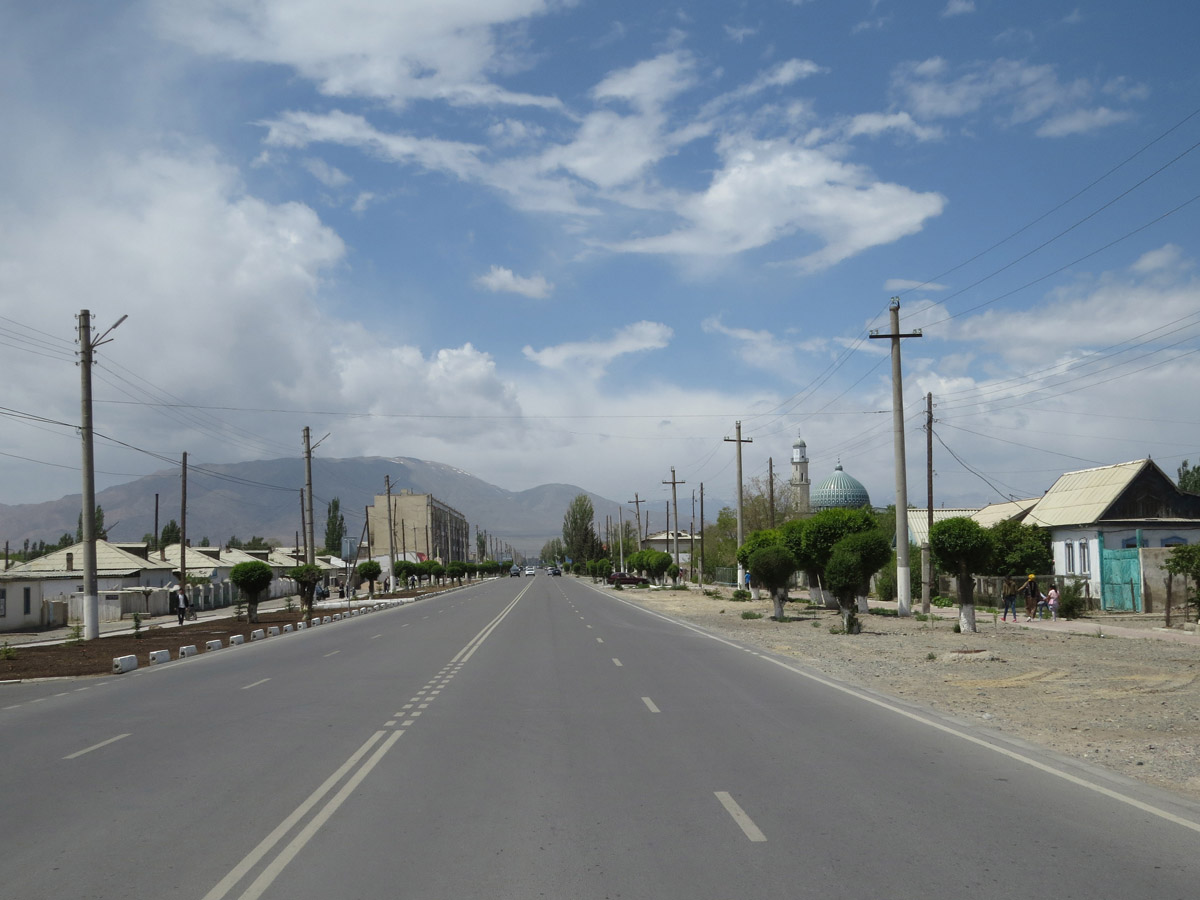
(1120, 580)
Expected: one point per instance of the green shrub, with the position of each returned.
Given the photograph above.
(931, 655)
(137, 625)
(881, 611)
(748, 614)
(740, 595)
(76, 638)
(942, 602)
(1071, 601)
(7, 651)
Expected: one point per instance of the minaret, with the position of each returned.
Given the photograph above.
(800, 482)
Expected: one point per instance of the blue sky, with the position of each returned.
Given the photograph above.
(544, 240)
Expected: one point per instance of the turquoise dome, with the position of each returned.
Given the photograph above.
(840, 491)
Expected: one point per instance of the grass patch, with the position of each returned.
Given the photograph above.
(882, 611)
(942, 602)
(751, 615)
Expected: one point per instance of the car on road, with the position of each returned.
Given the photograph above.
(530, 570)
(626, 578)
(554, 570)
(514, 572)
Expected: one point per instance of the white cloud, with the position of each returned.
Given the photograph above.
(874, 124)
(769, 190)
(739, 35)
(328, 175)
(904, 284)
(396, 51)
(1025, 92)
(593, 357)
(958, 8)
(499, 279)
(758, 348)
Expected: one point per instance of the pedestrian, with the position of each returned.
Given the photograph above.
(1032, 594)
(1052, 602)
(1008, 593)
(181, 604)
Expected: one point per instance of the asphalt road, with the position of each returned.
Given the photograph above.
(536, 738)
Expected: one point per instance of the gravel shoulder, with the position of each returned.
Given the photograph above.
(1130, 704)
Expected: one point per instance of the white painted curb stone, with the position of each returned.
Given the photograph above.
(235, 639)
(189, 650)
(159, 656)
(258, 634)
(212, 645)
(287, 629)
(123, 664)
(272, 630)
(337, 617)
(300, 626)
(325, 620)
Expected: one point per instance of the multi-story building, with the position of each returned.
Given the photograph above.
(422, 527)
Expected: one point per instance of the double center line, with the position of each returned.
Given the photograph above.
(377, 745)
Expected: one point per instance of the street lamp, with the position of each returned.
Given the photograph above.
(91, 602)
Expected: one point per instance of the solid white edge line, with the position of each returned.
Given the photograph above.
(247, 687)
(112, 740)
(744, 822)
(945, 729)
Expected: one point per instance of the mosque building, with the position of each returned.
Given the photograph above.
(839, 491)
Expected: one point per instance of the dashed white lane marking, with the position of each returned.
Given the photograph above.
(589, 626)
(246, 687)
(407, 722)
(616, 662)
(422, 706)
(739, 815)
(333, 653)
(650, 704)
(14, 706)
(374, 636)
(599, 640)
(112, 740)
(389, 723)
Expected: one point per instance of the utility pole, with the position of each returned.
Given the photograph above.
(637, 505)
(183, 524)
(367, 516)
(675, 504)
(310, 548)
(303, 535)
(157, 538)
(620, 535)
(387, 480)
(692, 536)
(91, 597)
(771, 487)
(701, 533)
(741, 570)
(926, 556)
(903, 578)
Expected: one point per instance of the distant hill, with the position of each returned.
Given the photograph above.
(263, 498)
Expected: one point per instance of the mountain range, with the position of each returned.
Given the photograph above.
(263, 498)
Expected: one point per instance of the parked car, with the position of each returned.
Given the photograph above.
(514, 572)
(626, 578)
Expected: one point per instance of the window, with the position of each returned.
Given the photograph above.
(3, 602)
(1173, 541)
(28, 598)
(1085, 559)
(1070, 548)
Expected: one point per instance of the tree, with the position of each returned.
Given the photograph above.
(962, 546)
(1020, 549)
(552, 550)
(480, 544)
(811, 542)
(170, 534)
(1185, 560)
(369, 570)
(720, 542)
(772, 566)
(306, 577)
(1189, 478)
(251, 578)
(852, 562)
(335, 527)
(764, 537)
(577, 535)
(98, 528)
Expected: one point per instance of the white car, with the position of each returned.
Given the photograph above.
(530, 570)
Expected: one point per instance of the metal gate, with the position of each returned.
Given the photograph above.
(1121, 580)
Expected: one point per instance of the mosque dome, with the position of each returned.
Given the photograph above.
(840, 491)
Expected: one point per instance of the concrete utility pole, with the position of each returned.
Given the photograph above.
(926, 556)
(741, 570)
(701, 532)
(620, 535)
(302, 535)
(310, 550)
(771, 487)
(387, 480)
(903, 577)
(637, 505)
(183, 524)
(91, 596)
(675, 504)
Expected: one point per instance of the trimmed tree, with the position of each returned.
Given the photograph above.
(812, 540)
(1185, 560)
(1020, 549)
(852, 562)
(962, 546)
(307, 577)
(772, 566)
(369, 571)
(251, 578)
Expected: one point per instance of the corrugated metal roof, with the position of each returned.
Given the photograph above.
(111, 560)
(1002, 512)
(918, 521)
(1081, 498)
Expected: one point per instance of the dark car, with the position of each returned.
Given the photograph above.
(554, 570)
(626, 578)
(514, 572)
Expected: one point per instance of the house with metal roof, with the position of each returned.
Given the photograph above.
(48, 590)
(1112, 526)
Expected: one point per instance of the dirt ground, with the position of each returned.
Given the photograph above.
(1129, 704)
